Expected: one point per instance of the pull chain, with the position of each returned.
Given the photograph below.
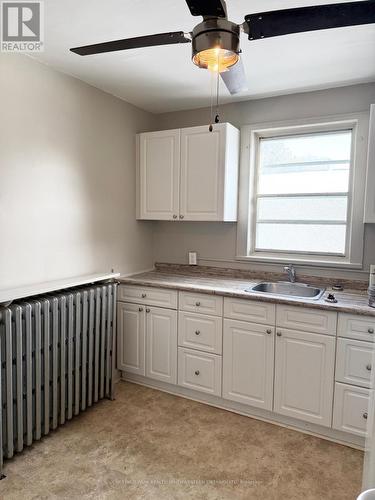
(217, 117)
(217, 74)
(210, 128)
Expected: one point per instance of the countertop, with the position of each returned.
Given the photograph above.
(350, 301)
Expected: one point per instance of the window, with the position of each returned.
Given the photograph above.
(304, 200)
(302, 193)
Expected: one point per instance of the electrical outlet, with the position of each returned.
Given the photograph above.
(193, 259)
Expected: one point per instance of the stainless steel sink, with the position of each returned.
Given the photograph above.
(297, 290)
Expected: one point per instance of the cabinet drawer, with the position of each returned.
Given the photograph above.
(356, 327)
(201, 303)
(350, 409)
(158, 297)
(201, 332)
(199, 371)
(354, 362)
(306, 319)
(250, 310)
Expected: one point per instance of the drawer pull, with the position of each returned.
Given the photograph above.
(370, 330)
(365, 415)
(197, 332)
(144, 295)
(197, 372)
(148, 310)
(140, 309)
(279, 334)
(197, 304)
(269, 331)
(368, 367)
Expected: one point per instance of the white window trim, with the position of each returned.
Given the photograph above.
(250, 135)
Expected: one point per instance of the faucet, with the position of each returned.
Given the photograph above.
(291, 273)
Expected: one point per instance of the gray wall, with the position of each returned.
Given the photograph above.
(67, 177)
(216, 242)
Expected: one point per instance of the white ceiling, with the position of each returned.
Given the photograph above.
(161, 79)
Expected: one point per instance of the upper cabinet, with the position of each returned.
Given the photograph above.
(370, 182)
(189, 174)
(158, 175)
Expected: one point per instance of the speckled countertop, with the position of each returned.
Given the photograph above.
(219, 282)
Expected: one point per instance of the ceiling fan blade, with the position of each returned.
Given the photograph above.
(318, 17)
(235, 78)
(133, 43)
(207, 8)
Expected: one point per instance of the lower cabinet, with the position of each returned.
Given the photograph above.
(147, 341)
(350, 410)
(199, 371)
(288, 368)
(161, 344)
(304, 376)
(131, 349)
(248, 358)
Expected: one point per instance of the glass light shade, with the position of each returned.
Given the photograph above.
(216, 59)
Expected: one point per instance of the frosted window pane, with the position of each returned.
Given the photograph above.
(305, 163)
(301, 237)
(317, 208)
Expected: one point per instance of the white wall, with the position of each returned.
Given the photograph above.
(67, 178)
(216, 242)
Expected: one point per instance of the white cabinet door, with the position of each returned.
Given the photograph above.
(159, 175)
(161, 344)
(304, 372)
(350, 409)
(209, 173)
(131, 338)
(248, 357)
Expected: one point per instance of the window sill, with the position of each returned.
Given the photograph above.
(300, 262)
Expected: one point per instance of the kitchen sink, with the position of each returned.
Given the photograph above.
(297, 290)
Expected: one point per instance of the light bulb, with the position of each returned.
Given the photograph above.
(216, 59)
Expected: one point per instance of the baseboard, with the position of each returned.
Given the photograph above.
(329, 434)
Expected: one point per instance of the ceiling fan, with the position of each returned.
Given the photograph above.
(216, 40)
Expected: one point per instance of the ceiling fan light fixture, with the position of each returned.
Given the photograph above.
(216, 45)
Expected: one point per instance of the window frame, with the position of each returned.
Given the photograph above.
(250, 140)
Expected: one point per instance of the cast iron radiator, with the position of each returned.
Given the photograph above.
(57, 356)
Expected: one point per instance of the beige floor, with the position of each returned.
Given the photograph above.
(151, 445)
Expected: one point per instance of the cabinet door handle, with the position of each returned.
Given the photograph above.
(370, 330)
(140, 309)
(197, 332)
(368, 367)
(197, 304)
(279, 334)
(365, 415)
(148, 310)
(182, 216)
(175, 216)
(144, 295)
(269, 331)
(197, 372)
